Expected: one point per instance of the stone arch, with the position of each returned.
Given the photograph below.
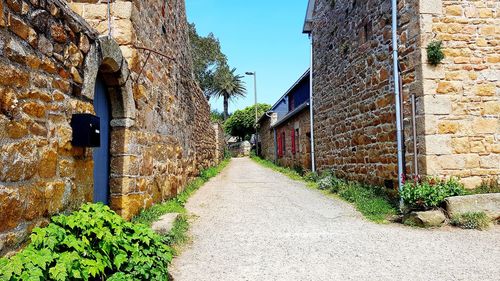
(106, 60)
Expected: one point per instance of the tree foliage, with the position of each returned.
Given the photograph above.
(207, 58)
(228, 86)
(242, 123)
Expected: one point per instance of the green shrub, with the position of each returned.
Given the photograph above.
(487, 186)
(430, 192)
(434, 53)
(93, 243)
(311, 176)
(472, 220)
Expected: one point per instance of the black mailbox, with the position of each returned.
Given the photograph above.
(86, 130)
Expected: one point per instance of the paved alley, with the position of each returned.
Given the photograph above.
(251, 223)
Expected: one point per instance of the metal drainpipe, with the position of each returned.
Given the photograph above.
(311, 115)
(399, 127)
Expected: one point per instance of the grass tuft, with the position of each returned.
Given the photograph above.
(471, 220)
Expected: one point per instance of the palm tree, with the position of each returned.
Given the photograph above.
(227, 85)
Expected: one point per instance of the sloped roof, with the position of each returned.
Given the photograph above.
(309, 17)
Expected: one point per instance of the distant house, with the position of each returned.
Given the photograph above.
(284, 131)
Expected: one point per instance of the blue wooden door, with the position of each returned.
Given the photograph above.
(101, 154)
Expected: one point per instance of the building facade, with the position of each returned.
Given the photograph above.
(457, 102)
(58, 60)
(284, 131)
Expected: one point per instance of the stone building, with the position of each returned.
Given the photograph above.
(457, 102)
(58, 60)
(284, 131)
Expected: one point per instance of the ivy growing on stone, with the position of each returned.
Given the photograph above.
(435, 53)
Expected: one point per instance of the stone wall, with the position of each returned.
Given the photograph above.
(42, 53)
(302, 156)
(172, 138)
(266, 135)
(462, 95)
(353, 87)
(220, 142)
(161, 134)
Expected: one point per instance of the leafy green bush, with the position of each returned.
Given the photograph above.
(430, 192)
(472, 220)
(434, 53)
(93, 243)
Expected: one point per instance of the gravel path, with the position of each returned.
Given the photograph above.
(252, 223)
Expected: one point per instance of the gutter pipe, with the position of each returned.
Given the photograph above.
(399, 127)
(311, 115)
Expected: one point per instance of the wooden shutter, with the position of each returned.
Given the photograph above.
(292, 135)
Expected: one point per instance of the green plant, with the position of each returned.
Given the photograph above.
(491, 185)
(472, 220)
(241, 124)
(93, 243)
(430, 192)
(435, 53)
(311, 176)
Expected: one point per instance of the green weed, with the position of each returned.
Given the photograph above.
(471, 220)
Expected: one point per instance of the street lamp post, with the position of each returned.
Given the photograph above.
(254, 74)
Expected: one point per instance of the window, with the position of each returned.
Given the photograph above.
(291, 103)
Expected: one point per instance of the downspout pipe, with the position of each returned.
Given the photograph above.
(399, 127)
(311, 108)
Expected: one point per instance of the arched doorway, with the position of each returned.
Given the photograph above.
(106, 80)
(101, 155)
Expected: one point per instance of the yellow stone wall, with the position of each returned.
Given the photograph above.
(461, 101)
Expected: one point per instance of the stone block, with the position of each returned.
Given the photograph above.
(434, 218)
(448, 127)
(434, 7)
(485, 90)
(122, 9)
(454, 10)
(13, 76)
(487, 203)
(11, 208)
(460, 145)
(491, 161)
(48, 164)
(486, 125)
(438, 144)
(438, 104)
(123, 31)
(165, 224)
(2, 15)
(95, 12)
(58, 33)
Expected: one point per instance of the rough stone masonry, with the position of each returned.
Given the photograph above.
(458, 101)
(50, 56)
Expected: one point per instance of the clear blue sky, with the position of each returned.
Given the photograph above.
(259, 35)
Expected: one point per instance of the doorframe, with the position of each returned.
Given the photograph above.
(105, 59)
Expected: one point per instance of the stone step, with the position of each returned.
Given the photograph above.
(165, 223)
(487, 203)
